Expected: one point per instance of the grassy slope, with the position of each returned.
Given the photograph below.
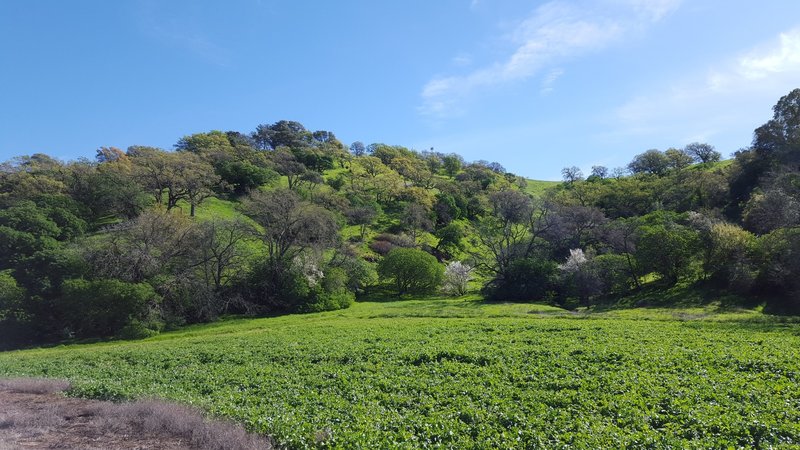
(537, 188)
(217, 208)
(460, 373)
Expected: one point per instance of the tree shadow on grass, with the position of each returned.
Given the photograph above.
(679, 296)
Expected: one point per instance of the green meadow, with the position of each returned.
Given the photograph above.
(461, 373)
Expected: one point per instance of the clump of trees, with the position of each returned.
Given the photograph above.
(127, 244)
(134, 241)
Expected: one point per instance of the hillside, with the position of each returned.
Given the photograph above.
(537, 188)
(462, 373)
(284, 220)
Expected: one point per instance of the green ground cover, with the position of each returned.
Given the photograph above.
(463, 374)
(537, 188)
(217, 208)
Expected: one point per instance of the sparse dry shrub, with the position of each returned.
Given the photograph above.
(34, 385)
(145, 417)
(381, 247)
(48, 417)
(385, 242)
(159, 417)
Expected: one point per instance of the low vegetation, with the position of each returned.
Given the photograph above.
(462, 373)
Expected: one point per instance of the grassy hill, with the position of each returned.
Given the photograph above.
(537, 188)
(461, 373)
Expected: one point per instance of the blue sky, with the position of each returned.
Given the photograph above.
(534, 85)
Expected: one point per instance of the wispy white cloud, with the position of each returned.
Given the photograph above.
(462, 60)
(654, 10)
(731, 95)
(555, 32)
(549, 80)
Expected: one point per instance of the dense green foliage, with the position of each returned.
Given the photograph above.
(93, 307)
(411, 271)
(286, 219)
(464, 374)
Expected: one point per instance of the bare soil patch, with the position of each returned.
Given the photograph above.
(34, 414)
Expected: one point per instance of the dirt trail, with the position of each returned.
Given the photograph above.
(34, 414)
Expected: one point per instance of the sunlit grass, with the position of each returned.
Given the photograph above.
(537, 188)
(464, 373)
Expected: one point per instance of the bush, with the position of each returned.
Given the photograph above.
(104, 307)
(411, 271)
(300, 287)
(729, 261)
(137, 330)
(666, 247)
(331, 293)
(360, 273)
(16, 327)
(779, 267)
(271, 287)
(385, 242)
(612, 269)
(525, 280)
(327, 301)
(381, 247)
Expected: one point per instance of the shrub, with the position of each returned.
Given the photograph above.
(385, 242)
(381, 247)
(104, 307)
(332, 293)
(327, 301)
(411, 271)
(360, 273)
(275, 287)
(525, 280)
(578, 277)
(137, 330)
(297, 287)
(779, 267)
(729, 260)
(614, 272)
(666, 247)
(15, 321)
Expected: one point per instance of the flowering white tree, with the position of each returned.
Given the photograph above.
(456, 278)
(580, 277)
(574, 262)
(308, 267)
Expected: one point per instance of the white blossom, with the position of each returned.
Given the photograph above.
(456, 278)
(308, 267)
(575, 259)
